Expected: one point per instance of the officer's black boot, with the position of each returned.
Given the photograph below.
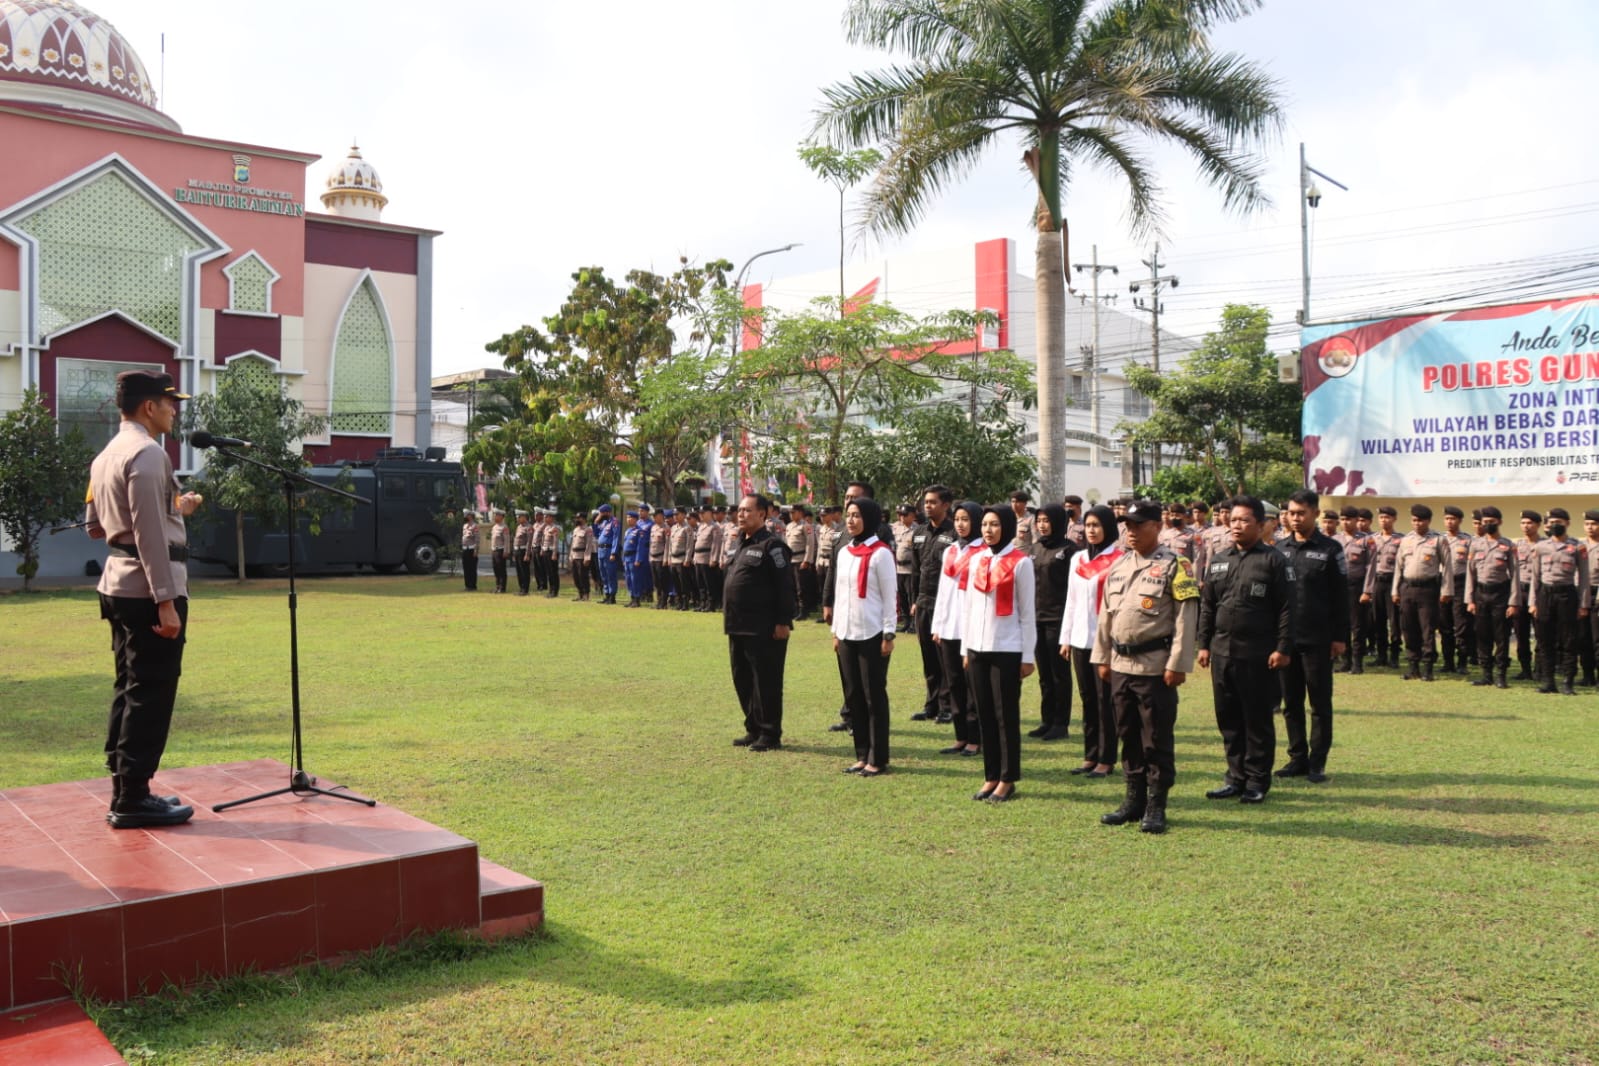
(1566, 687)
(1547, 687)
(1133, 804)
(1487, 677)
(1449, 663)
(1360, 664)
(1155, 814)
(1525, 674)
(1500, 680)
(1411, 671)
(1426, 671)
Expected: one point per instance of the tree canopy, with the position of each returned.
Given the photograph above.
(43, 474)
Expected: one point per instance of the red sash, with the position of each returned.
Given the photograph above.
(958, 562)
(863, 552)
(1095, 569)
(998, 572)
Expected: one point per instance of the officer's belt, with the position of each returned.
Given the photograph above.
(1496, 585)
(177, 553)
(1158, 644)
(1557, 590)
(1421, 583)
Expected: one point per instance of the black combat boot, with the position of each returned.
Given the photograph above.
(1500, 680)
(1487, 677)
(1133, 804)
(1412, 672)
(1566, 686)
(1155, 814)
(1360, 664)
(1426, 671)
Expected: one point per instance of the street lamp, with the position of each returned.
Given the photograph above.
(1310, 196)
(738, 330)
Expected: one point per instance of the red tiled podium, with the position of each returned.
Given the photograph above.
(287, 880)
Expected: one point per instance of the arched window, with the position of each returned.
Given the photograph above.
(363, 365)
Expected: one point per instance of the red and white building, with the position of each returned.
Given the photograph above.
(126, 242)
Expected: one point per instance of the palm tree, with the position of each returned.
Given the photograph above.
(1077, 81)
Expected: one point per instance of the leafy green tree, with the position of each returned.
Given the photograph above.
(1075, 81)
(1225, 408)
(843, 170)
(42, 478)
(982, 461)
(260, 410)
(841, 372)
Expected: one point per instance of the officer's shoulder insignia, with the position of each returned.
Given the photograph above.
(779, 557)
(1183, 585)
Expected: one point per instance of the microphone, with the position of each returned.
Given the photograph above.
(202, 439)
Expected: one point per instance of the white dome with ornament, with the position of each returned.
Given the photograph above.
(354, 189)
(54, 53)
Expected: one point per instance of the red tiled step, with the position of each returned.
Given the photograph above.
(57, 1033)
(511, 903)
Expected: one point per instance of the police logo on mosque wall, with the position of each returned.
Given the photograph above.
(241, 169)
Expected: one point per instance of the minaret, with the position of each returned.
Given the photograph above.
(354, 189)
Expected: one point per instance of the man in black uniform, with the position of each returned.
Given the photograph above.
(1246, 631)
(1321, 629)
(757, 612)
(928, 543)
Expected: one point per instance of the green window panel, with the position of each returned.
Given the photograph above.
(252, 285)
(363, 367)
(255, 373)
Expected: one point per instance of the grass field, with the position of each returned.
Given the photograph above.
(1436, 901)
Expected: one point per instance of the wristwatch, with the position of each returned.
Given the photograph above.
(889, 636)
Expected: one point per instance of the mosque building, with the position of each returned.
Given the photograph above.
(126, 242)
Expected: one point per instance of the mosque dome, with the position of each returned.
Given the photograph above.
(354, 189)
(54, 53)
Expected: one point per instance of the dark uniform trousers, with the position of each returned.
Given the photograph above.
(524, 572)
(1099, 712)
(995, 681)
(960, 698)
(758, 681)
(702, 585)
(469, 568)
(499, 570)
(1462, 641)
(147, 669)
(1493, 628)
(1557, 631)
(1524, 633)
(1308, 674)
(903, 583)
(1146, 722)
(663, 587)
(1384, 617)
(552, 573)
(537, 565)
(864, 669)
(1054, 678)
(1418, 612)
(1245, 690)
(938, 702)
(1588, 648)
(1360, 626)
(580, 577)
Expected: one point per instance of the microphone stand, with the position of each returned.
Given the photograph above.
(300, 782)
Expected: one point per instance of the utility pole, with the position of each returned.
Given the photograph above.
(1093, 355)
(1156, 282)
(1309, 197)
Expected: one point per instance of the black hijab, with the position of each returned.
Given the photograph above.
(1007, 525)
(974, 511)
(1107, 522)
(1057, 525)
(871, 518)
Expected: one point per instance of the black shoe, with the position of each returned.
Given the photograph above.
(971, 753)
(879, 772)
(147, 812)
(1547, 689)
(924, 716)
(1485, 680)
(945, 719)
(1295, 768)
(1095, 775)
(1056, 733)
(1316, 775)
(1359, 667)
(1566, 688)
(1039, 732)
(995, 797)
(853, 769)
(1411, 673)
(983, 795)
(1154, 819)
(1225, 792)
(1426, 671)
(1252, 795)
(767, 745)
(1524, 674)
(1082, 769)
(1499, 679)
(953, 749)
(838, 727)
(746, 740)
(1134, 803)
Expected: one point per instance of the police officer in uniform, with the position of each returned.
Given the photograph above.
(469, 539)
(521, 553)
(1562, 597)
(499, 546)
(757, 613)
(1246, 632)
(799, 535)
(1459, 632)
(1176, 535)
(1074, 520)
(904, 560)
(828, 534)
(1531, 528)
(1321, 629)
(1423, 581)
(1144, 649)
(582, 550)
(660, 537)
(1025, 536)
(935, 533)
(551, 547)
(1493, 597)
(1357, 547)
(1379, 583)
(136, 505)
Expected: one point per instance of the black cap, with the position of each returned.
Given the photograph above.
(1453, 510)
(1476, 513)
(141, 384)
(1350, 511)
(1365, 512)
(906, 508)
(1421, 510)
(1591, 516)
(1329, 514)
(1492, 512)
(1142, 511)
(1534, 515)
(1389, 511)
(1560, 513)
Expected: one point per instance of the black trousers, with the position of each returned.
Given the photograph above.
(716, 587)
(580, 577)
(683, 583)
(1359, 618)
(1146, 721)
(1459, 627)
(660, 576)
(145, 688)
(1384, 618)
(960, 699)
(524, 572)
(1054, 677)
(1588, 641)
(1309, 674)
(1099, 711)
(469, 568)
(552, 574)
(864, 669)
(1245, 690)
(995, 681)
(1493, 628)
(1523, 625)
(499, 570)
(1557, 632)
(1418, 613)
(937, 702)
(758, 681)
(902, 583)
(536, 565)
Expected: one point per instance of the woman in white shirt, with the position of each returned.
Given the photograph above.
(949, 619)
(1085, 591)
(864, 624)
(998, 642)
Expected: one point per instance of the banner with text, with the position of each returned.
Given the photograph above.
(1487, 401)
